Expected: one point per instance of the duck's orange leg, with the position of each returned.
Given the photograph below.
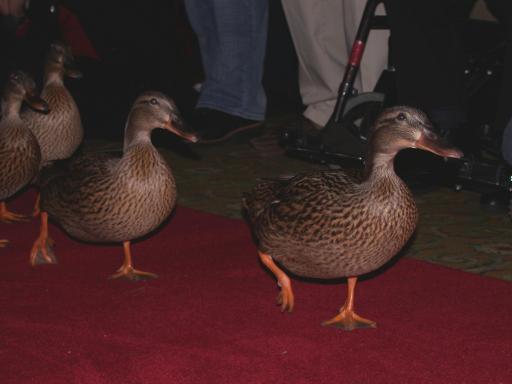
(37, 206)
(3, 243)
(127, 271)
(347, 318)
(42, 252)
(6, 216)
(285, 298)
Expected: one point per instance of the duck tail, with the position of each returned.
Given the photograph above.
(256, 201)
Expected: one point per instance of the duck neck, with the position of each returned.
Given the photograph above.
(136, 130)
(53, 74)
(11, 106)
(379, 165)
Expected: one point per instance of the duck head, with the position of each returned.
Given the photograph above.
(403, 127)
(155, 110)
(60, 62)
(21, 87)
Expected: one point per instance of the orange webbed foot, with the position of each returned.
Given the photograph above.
(7, 216)
(132, 274)
(42, 252)
(349, 320)
(285, 298)
(127, 271)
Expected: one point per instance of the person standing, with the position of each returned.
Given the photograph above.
(232, 36)
(323, 33)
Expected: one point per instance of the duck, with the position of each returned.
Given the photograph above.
(59, 132)
(102, 198)
(20, 156)
(328, 224)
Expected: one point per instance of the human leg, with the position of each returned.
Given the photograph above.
(319, 39)
(232, 39)
(323, 33)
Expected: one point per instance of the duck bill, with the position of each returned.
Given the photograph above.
(177, 129)
(73, 73)
(432, 143)
(35, 102)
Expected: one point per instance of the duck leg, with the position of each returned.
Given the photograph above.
(37, 206)
(42, 250)
(127, 271)
(285, 298)
(3, 243)
(347, 318)
(6, 216)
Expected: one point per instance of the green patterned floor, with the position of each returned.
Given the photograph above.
(453, 230)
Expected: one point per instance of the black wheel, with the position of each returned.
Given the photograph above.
(361, 112)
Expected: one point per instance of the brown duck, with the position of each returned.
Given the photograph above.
(326, 224)
(102, 198)
(59, 132)
(20, 156)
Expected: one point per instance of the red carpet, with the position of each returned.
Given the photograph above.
(211, 318)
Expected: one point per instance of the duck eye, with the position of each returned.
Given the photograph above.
(401, 117)
(153, 101)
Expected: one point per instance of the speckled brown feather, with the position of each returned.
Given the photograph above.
(326, 224)
(105, 198)
(59, 132)
(20, 156)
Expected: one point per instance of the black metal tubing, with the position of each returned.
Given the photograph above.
(347, 84)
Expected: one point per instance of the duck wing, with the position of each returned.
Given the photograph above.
(81, 163)
(20, 158)
(71, 189)
(290, 197)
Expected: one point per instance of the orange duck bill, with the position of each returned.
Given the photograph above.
(37, 103)
(429, 141)
(176, 125)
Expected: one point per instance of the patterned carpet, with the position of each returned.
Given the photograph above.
(454, 229)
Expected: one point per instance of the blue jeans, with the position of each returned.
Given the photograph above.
(232, 37)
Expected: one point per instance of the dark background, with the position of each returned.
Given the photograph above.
(150, 45)
(141, 46)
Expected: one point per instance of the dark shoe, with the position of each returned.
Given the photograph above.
(334, 140)
(301, 132)
(215, 126)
